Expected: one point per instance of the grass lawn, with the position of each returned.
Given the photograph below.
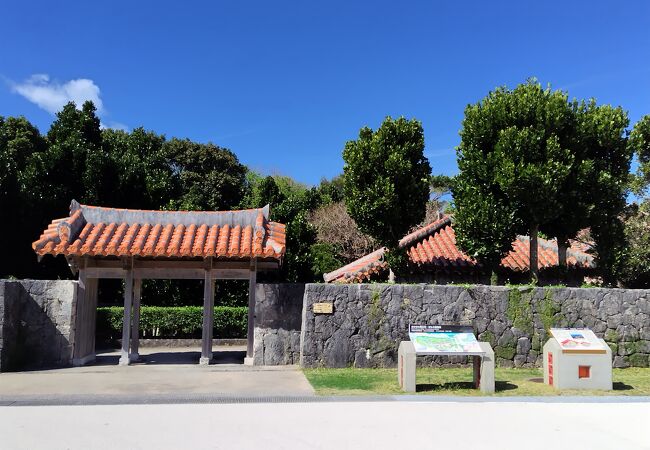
(458, 381)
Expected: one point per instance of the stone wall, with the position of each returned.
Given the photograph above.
(278, 318)
(370, 320)
(36, 323)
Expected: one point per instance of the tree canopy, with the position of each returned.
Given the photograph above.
(210, 177)
(141, 175)
(74, 162)
(640, 142)
(634, 270)
(515, 155)
(292, 204)
(21, 146)
(386, 180)
(604, 140)
(541, 162)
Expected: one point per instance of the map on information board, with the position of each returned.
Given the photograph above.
(577, 340)
(444, 339)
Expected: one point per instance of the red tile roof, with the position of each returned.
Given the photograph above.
(97, 231)
(359, 270)
(434, 247)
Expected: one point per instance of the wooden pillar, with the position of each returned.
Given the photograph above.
(83, 343)
(250, 336)
(126, 325)
(135, 327)
(208, 319)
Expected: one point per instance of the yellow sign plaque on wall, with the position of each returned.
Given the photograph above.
(323, 308)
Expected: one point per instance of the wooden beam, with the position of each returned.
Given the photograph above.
(179, 273)
(171, 274)
(179, 264)
(96, 272)
(230, 274)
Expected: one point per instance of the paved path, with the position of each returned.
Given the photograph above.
(334, 425)
(166, 372)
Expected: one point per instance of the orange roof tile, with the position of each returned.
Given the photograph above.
(109, 232)
(434, 247)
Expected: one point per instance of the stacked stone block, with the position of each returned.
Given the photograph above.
(36, 323)
(370, 320)
(278, 319)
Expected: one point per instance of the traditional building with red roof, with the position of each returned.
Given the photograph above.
(435, 258)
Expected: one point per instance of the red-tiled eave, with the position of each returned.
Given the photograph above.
(110, 232)
(433, 247)
(359, 270)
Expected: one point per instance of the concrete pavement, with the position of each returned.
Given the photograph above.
(164, 372)
(170, 402)
(340, 425)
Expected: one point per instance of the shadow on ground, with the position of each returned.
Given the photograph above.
(111, 358)
(619, 386)
(499, 386)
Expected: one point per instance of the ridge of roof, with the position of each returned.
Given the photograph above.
(425, 231)
(366, 265)
(97, 214)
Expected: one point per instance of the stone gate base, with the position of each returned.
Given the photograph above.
(37, 323)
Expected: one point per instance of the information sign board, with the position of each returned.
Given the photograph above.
(577, 340)
(444, 340)
(323, 308)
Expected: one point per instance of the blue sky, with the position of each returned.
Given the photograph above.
(285, 84)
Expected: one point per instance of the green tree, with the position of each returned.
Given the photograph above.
(439, 192)
(635, 268)
(604, 140)
(294, 211)
(324, 259)
(440, 186)
(515, 153)
(264, 191)
(576, 205)
(291, 203)
(21, 145)
(75, 161)
(142, 177)
(386, 182)
(573, 211)
(332, 191)
(484, 224)
(211, 178)
(640, 143)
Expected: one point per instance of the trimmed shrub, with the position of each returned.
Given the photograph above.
(174, 322)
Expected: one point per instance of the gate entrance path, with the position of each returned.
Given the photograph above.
(164, 373)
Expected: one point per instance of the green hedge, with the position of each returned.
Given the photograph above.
(174, 322)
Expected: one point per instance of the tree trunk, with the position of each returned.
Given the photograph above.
(534, 272)
(562, 244)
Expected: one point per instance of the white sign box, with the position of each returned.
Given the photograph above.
(577, 340)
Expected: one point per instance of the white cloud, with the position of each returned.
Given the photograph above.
(52, 95)
(114, 126)
(439, 152)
